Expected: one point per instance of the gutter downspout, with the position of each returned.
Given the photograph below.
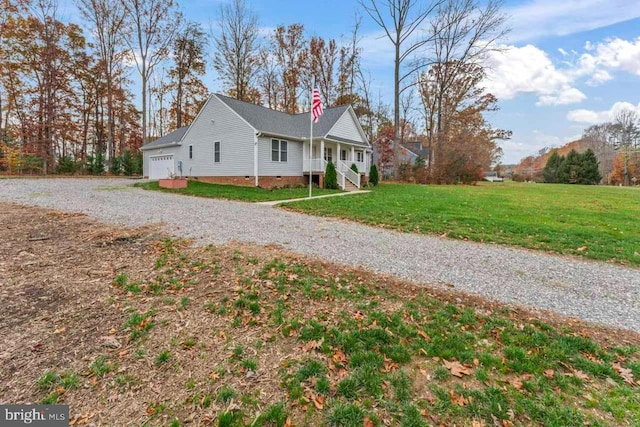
(255, 157)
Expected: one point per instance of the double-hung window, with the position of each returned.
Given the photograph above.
(278, 150)
(328, 154)
(216, 152)
(190, 152)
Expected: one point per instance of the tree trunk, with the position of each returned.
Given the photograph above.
(144, 103)
(396, 113)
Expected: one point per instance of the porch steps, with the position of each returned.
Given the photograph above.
(349, 186)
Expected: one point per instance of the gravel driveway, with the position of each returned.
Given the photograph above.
(588, 290)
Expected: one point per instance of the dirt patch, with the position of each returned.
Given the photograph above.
(71, 288)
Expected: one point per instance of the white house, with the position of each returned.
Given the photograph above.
(235, 142)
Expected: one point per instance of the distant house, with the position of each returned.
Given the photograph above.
(235, 142)
(409, 152)
(491, 176)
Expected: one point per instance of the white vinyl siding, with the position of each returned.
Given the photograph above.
(346, 128)
(218, 123)
(268, 167)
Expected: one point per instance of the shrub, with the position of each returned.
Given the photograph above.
(373, 175)
(330, 176)
(116, 166)
(95, 164)
(128, 163)
(67, 164)
(354, 168)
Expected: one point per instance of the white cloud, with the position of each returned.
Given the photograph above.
(543, 18)
(569, 95)
(613, 54)
(594, 117)
(528, 69)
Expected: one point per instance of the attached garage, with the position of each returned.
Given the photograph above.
(162, 166)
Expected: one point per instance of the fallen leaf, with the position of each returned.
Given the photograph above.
(459, 400)
(368, 422)
(582, 249)
(478, 423)
(339, 357)
(318, 402)
(457, 369)
(580, 375)
(358, 316)
(516, 383)
(625, 373)
(424, 335)
(312, 345)
(214, 376)
(549, 373)
(60, 330)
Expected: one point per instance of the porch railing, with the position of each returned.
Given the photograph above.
(349, 173)
(317, 165)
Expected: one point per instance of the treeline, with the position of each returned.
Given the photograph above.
(67, 101)
(615, 147)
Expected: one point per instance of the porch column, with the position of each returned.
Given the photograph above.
(338, 155)
(321, 150)
(353, 154)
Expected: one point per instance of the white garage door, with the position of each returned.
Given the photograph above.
(161, 166)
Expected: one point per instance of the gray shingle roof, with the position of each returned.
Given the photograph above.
(168, 140)
(296, 126)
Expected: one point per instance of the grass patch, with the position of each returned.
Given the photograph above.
(595, 222)
(235, 192)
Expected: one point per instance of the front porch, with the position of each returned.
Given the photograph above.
(342, 156)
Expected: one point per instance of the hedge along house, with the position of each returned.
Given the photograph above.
(235, 142)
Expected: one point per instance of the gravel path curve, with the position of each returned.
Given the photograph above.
(587, 290)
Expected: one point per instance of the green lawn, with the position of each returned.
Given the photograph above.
(601, 223)
(234, 192)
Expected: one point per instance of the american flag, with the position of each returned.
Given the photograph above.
(316, 109)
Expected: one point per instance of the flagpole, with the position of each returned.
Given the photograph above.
(311, 137)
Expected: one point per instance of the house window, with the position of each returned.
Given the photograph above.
(278, 150)
(216, 152)
(190, 152)
(343, 154)
(360, 156)
(328, 154)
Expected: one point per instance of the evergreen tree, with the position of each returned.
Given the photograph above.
(569, 170)
(589, 173)
(373, 175)
(552, 168)
(331, 176)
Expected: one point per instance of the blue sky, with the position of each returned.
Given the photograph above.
(565, 65)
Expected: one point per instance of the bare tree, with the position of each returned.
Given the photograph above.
(462, 32)
(151, 29)
(189, 66)
(627, 137)
(107, 18)
(237, 49)
(269, 79)
(401, 22)
(597, 138)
